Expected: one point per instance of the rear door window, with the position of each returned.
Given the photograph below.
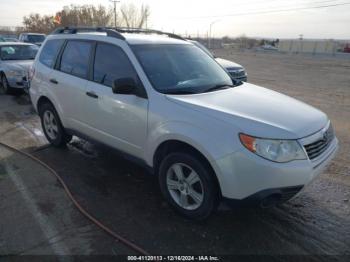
(50, 51)
(75, 58)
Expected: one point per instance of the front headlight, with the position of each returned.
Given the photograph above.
(275, 150)
(14, 73)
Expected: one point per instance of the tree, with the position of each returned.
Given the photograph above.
(246, 42)
(133, 17)
(73, 15)
(87, 15)
(38, 23)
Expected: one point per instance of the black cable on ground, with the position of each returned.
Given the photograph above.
(79, 207)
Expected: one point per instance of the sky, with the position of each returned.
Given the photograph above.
(228, 17)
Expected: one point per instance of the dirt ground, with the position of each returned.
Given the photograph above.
(127, 199)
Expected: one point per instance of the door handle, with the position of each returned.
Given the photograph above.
(54, 81)
(91, 94)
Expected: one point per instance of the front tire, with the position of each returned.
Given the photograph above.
(5, 85)
(188, 185)
(52, 126)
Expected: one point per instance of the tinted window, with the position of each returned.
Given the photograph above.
(18, 52)
(111, 63)
(75, 58)
(35, 38)
(181, 68)
(50, 51)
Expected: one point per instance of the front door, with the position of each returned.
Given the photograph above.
(115, 119)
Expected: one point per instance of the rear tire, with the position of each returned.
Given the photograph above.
(52, 126)
(188, 185)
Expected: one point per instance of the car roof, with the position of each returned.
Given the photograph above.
(14, 43)
(31, 34)
(138, 39)
(130, 38)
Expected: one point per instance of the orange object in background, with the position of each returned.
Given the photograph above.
(57, 19)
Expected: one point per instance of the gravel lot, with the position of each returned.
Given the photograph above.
(127, 199)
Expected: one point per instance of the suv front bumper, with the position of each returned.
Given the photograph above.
(243, 174)
(266, 198)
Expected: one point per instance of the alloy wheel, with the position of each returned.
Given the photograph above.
(50, 125)
(185, 186)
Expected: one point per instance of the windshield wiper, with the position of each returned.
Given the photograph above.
(179, 92)
(218, 87)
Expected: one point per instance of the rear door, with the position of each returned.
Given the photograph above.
(69, 81)
(118, 120)
(44, 70)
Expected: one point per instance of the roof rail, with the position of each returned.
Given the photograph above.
(74, 30)
(147, 31)
(113, 31)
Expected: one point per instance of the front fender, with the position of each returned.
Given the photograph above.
(201, 139)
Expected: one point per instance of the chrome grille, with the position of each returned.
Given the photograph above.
(316, 148)
(237, 73)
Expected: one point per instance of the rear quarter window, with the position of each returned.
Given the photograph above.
(49, 53)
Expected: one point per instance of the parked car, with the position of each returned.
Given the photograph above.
(165, 103)
(236, 71)
(268, 47)
(32, 38)
(10, 39)
(15, 60)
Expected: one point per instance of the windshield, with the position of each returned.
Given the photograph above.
(36, 38)
(18, 52)
(202, 47)
(183, 69)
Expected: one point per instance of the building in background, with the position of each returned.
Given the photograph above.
(330, 46)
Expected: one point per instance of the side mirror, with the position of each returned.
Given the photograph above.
(124, 86)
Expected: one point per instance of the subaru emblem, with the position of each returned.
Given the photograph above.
(325, 136)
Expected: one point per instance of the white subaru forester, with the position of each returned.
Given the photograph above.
(169, 105)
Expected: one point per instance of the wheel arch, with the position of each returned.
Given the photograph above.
(175, 145)
(43, 100)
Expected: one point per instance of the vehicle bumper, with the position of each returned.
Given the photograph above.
(244, 175)
(265, 198)
(18, 82)
(34, 97)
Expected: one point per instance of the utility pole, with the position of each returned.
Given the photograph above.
(115, 11)
(210, 31)
(301, 37)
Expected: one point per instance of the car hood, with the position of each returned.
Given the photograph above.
(22, 65)
(227, 63)
(257, 111)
